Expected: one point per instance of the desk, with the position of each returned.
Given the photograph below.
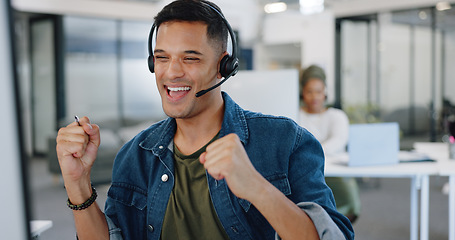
(39, 226)
(446, 167)
(418, 172)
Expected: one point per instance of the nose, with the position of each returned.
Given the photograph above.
(175, 69)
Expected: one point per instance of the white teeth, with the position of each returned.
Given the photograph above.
(175, 89)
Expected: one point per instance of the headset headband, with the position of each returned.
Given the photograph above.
(228, 65)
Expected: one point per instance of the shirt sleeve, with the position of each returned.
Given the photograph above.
(114, 232)
(339, 133)
(311, 193)
(325, 226)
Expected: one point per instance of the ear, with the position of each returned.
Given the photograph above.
(218, 67)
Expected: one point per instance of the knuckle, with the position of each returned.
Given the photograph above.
(61, 131)
(233, 136)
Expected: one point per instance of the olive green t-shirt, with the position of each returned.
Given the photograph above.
(190, 213)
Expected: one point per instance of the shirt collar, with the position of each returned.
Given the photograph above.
(234, 121)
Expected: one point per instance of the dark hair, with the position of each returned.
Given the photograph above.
(196, 11)
(312, 72)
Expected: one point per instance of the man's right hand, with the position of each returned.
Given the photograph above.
(77, 147)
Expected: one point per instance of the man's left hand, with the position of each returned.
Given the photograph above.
(227, 159)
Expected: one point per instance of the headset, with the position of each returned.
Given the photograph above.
(229, 64)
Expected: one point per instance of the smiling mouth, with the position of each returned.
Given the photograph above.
(177, 92)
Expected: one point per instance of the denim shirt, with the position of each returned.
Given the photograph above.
(287, 155)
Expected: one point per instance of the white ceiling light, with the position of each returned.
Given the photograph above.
(275, 7)
(442, 6)
(311, 6)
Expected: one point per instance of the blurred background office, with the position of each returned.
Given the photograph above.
(385, 61)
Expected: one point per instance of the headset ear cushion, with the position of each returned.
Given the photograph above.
(228, 66)
(223, 65)
(151, 63)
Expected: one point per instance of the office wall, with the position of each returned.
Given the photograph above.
(272, 92)
(99, 8)
(106, 72)
(43, 83)
(448, 88)
(314, 34)
(407, 82)
(23, 66)
(91, 63)
(410, 68)
(361, 7)
(355, 61)
(244, 16)
(13, 222)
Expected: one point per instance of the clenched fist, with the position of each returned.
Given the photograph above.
(227, 159)
(77, 147)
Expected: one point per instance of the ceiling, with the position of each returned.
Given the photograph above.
(143, 9)
(340, 8)
(290, 3)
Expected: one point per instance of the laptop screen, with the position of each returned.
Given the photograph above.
(373, 144)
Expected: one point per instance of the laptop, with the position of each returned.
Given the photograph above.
(373, 144)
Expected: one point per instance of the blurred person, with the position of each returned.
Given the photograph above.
(331, 127)
(211, 170)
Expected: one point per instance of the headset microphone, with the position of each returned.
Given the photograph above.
(229, 64)
(202, 92)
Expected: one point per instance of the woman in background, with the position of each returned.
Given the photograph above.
(331, 127)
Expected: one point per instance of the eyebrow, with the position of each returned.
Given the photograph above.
(193, 52)
(186, 51)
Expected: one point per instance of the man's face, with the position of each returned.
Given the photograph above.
(185, 63)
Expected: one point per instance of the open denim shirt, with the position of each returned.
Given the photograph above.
(287, 155)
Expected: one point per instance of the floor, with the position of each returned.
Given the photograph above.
(385, 206)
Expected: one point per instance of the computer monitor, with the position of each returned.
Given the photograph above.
(14, 223)
(274, 92)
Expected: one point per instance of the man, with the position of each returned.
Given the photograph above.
(209, 171)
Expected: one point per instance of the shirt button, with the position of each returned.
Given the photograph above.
(164, 177)
(150, 227)
(160, 147)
